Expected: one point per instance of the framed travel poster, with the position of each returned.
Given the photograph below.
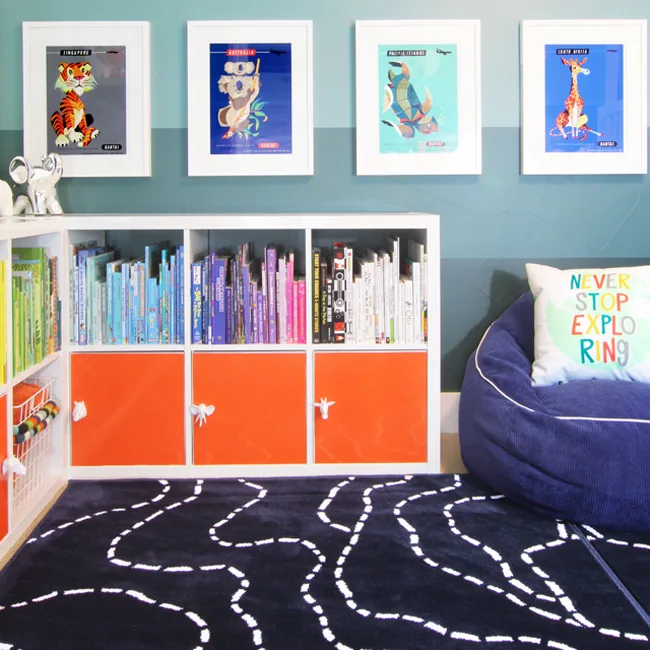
(418, 94)
(250, 98)
(86, 96)
(584, 97)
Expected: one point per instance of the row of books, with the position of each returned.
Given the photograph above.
(378, 297)
(120, 301)
(371, 297)
(36, 307)
(240, 299)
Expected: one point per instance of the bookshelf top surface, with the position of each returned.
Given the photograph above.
(40, 225)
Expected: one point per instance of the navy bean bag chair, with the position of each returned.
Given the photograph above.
(578, 451)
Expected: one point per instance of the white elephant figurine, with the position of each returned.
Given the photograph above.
(41, 185)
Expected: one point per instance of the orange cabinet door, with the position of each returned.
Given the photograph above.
(259, 408)
(4, 485)
(135, 404)
(379, 413)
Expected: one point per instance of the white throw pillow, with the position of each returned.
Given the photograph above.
(590, 323)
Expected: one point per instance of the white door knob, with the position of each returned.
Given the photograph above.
(201, 412)
(14, 466)
(79, 411)
(324, 406)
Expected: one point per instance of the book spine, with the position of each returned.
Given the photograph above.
(260, 317)
(282, 298)
(220, 301)
(246, 297)
(228, 315)
(265, 301)
(172, 299)
(204, 301)
(117, 307)
(152, 311)
(349, 305)
(197, 306)
(75, 306)
(338, 293)
(103, 312)
(110, 334)
(316, 307)
(295, 313)
(212, 298)
(142, 316)
(124, 301)
(290, 290)
(82, 298)
(302, 311)
(255, 337)
(271, 275)
(324, 336)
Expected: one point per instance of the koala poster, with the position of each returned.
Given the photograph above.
(250, 98)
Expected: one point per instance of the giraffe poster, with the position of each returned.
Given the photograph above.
(86, 100)
(584, 98)
(418, 99)
(250, 98)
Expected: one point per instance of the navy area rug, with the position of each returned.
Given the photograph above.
(345, 563)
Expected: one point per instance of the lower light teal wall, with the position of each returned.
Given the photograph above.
(490, 225)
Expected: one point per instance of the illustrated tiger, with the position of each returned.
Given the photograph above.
(71, 123)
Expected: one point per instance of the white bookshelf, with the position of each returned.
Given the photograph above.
(199, 234)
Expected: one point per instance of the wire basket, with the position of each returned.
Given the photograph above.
(36, 401)
(36, 456)
(34, 453)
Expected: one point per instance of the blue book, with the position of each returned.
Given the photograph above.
(84, 291)
(117, 307)
(111, 269)
(126, 273)
(152, 311)
(182, 291)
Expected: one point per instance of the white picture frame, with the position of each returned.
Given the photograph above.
(452, 58)
(616, 128)
(225, 138)
(125, 80)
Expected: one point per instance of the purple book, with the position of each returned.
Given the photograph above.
(255, 338)
(271, 265)
(246, 286)
(219, 327)
(228, 315)
(261, 325)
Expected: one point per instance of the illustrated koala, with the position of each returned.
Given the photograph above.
(242, 87)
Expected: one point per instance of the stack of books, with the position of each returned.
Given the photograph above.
(119, 301)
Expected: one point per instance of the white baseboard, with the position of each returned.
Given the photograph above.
(449, 412)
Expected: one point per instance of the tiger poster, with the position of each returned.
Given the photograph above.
(86, 100)
(250, 98)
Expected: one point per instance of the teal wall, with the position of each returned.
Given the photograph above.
(490, 225)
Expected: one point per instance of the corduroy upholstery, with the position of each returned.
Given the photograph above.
(578, 451)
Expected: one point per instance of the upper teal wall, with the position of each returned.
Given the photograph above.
(491, 225)
(333, 43)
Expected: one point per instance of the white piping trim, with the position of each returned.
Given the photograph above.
(531, 410)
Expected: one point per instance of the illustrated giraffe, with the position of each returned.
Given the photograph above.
(572, 116)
